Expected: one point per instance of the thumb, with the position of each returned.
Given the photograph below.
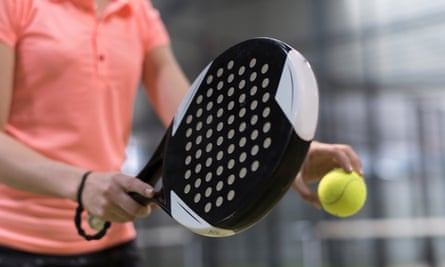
(306, 193)
(135, 185)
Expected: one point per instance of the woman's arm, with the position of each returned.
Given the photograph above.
(164, 82)
(24, 169)
(17, 162)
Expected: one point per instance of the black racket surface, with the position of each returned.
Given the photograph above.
(238, 138)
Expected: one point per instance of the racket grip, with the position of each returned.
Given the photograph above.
(95, 223)
(139, 198)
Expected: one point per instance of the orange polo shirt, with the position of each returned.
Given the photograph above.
(76, 77)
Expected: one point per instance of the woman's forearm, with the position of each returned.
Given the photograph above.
(21, 167)
(24, 169)
(165, 82)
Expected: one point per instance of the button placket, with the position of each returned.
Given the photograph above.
(100, 54)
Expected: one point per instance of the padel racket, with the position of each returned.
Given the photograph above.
(237, 140)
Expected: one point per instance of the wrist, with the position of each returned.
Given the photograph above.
(72, 184)
(94, 222)
(81, 186)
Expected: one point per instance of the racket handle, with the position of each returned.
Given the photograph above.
(95, 223)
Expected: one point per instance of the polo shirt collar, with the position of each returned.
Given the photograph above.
(115, 4)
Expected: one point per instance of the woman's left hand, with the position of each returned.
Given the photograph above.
(321, 159)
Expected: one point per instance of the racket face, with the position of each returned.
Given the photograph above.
(239, 137)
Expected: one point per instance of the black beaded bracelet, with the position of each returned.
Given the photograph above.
(79, 210)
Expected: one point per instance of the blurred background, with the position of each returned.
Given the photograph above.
(380, 66)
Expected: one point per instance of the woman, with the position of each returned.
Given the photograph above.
(68, 76)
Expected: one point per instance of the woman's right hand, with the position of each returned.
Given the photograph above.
(105, 196)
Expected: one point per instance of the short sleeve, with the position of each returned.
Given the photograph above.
(153, 30)
(13, 16)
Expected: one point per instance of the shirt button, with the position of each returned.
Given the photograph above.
(101, 57)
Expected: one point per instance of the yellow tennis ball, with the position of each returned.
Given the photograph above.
(342, 194)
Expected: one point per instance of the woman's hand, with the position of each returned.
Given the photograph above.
(321, 159)
(105, 196)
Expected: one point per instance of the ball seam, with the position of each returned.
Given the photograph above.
(342, 192)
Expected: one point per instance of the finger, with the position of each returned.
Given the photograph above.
(144, 211)
(154, 206)
(131, 214)
(125, 204)
(121, 217)
(306, 193)
(121, 214)
(342, 158)
(355, 160)
(111, 211)
(132, 184)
